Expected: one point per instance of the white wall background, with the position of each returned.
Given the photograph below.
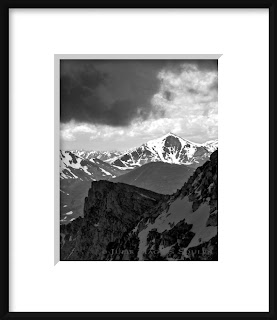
(239, 280)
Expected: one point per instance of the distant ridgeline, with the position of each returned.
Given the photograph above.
(125, 222)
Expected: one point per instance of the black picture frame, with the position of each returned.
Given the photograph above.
(4, 225)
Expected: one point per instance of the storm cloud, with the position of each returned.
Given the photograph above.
(115, 92)
(108, 92)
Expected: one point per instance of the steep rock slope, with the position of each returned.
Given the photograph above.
(109, 210)
(186, 229)
(159, 177)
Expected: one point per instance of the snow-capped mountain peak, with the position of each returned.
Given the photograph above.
(169, 148)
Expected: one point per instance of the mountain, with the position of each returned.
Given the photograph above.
(123, 222)
(170, 149)
(159, 177)
(107, 156)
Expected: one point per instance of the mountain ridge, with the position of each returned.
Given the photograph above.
(112, 156)
(159, 177)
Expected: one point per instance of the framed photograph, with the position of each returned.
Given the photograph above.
(140, 146)
(132, 188)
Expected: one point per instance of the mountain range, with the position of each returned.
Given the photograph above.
(107, 156)
(162, 165)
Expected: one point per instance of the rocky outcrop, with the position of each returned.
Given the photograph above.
(120, 198)
(110, 209)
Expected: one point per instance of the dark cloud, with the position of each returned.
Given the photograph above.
(108, 92)
(115, 92)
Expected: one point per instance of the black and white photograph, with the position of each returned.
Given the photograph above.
(138, 160)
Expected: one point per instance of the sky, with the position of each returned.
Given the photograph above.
(121, 104)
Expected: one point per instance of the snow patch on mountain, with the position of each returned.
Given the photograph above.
(106, 172)
(69, 162)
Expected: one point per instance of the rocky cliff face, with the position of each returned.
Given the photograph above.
(109, 210)
(122, 222)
